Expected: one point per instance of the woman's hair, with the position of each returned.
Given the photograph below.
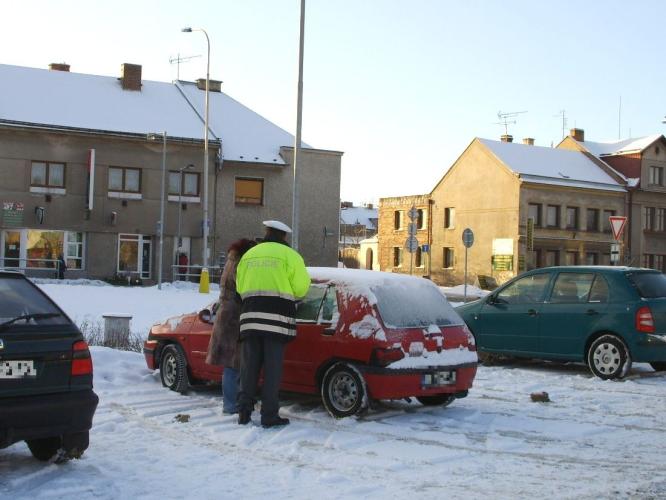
(241, 246)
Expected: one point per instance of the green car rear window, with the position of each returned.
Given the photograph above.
(649, 285)
(19, 298)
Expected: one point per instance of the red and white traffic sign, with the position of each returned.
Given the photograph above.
(617, 223)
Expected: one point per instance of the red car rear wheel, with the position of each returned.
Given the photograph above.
(343, 391)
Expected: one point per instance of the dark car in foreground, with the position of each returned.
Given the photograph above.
(46, 375)
(604, 316)
(361, 335)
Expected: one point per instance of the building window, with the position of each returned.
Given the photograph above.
(591, 259)
(418, 257)
(659, 222)
(656, 176)
(397, 256)
(534, 213)
(649, 215)
(571, 258)
(605, 223)
(125, 180)
(572, 217)
(592, 219)
(398, 217)
(448, 258)
(188, 181)
(420, 219)
(249, 191)
(134, 255)
(449, 217)
(34, 248)
(552, 216)
(552, 258)
(47, 174)
(74, 250)
(653, 261)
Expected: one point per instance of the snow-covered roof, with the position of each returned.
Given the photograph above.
(360, 215)
(552, 166)
(619, 147)
(99, 103)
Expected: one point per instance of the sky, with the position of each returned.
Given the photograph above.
(400, 86)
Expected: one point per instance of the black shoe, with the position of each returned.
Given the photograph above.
(244, 417)
(274, 422)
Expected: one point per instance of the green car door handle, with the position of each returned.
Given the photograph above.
(531, 312)
(591, 312)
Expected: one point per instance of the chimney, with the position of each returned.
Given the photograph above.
(529, 141)
(213, 85)
(578, 134)
(130, 76)
(59, 67)
(507, 138)
(347, 204)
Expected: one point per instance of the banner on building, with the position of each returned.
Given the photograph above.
(91, 179)
(12, 214)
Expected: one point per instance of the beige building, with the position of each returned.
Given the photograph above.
(494, 188)
(642, 164)
(81, 174)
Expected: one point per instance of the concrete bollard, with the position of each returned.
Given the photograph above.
(116, 329)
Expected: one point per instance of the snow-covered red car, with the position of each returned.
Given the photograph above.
(362, 335)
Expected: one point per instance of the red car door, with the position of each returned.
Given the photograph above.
(198, 340)
(316, 318)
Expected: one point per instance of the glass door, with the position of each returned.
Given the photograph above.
(145, 257)
(11, 248)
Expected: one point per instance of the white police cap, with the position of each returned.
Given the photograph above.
(276, 224)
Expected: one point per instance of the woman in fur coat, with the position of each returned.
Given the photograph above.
(223, 346)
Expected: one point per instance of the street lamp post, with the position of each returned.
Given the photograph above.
(203, 284)
(160, 249)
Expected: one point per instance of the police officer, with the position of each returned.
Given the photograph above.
(270, 278)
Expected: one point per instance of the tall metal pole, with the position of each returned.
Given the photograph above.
(205, 168)
(297, 140)
(161, 246)
(465, 288)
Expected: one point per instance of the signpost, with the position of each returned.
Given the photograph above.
(617, 223)
(468, 241)
(411, 243)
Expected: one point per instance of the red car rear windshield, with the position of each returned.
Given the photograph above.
(414, 305)
(649, 285)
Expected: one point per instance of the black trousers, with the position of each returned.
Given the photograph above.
(259, 351)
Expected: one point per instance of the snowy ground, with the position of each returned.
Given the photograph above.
(596, 439)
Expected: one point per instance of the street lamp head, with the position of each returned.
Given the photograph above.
(186, 30)
(187, 167)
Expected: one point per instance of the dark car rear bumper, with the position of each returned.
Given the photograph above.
(34, 417)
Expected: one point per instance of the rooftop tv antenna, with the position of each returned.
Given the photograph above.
(563, 115)
(178, 59)
(505, 119)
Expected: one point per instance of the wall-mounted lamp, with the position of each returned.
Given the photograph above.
(39, 214)
(114, 218)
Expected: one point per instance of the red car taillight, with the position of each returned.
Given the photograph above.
(644, 320)
(383, 357)
(81, 360)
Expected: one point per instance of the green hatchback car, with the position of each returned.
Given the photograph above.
(604, 316)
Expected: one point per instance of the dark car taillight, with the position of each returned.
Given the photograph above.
(81, 360)
(386, 356)
(644, 320)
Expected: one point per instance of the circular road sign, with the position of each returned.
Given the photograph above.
(411, 244)
(468, 237)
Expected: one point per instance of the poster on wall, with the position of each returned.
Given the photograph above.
(12, 214)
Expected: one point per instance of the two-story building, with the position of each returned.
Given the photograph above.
(86, 160)
(497, 189)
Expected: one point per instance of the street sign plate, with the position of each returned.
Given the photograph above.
(617, 223)
(413, 213)
(468, 237)
(411, 244)
(615, 252)
(425, 248)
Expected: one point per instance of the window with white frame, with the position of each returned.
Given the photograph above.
(34, 248)
(134, 255)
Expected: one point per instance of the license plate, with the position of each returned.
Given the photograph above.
(17, 369)
(439, 378)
